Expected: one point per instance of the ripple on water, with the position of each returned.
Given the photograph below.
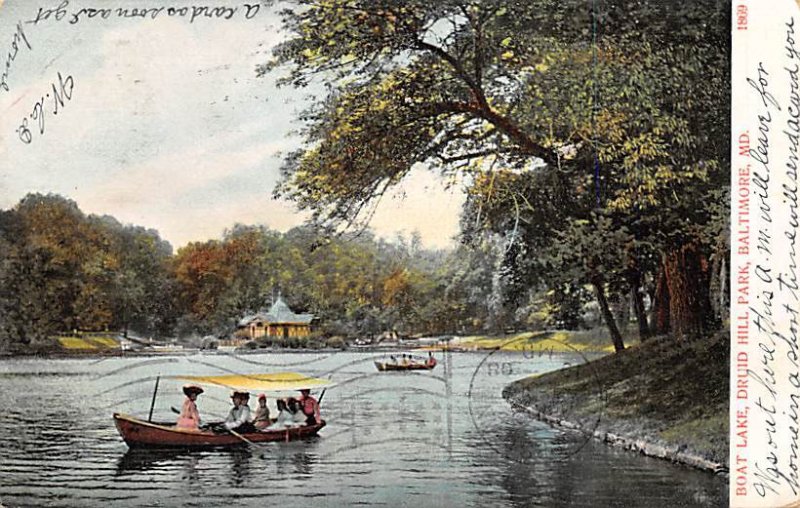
(391, 440)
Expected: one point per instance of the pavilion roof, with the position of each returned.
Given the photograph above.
(279, 313)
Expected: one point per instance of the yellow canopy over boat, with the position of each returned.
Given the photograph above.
(264, 382)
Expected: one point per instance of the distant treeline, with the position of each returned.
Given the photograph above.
(62, 270)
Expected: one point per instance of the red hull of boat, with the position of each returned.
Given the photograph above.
(391, 366)
(141, 434)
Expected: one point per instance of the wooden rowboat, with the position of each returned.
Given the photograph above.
(384, 366)
(143, 434)
(138, 433)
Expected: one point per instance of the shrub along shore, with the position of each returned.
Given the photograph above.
(663, 398)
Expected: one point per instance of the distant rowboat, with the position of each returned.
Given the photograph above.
(388, 366)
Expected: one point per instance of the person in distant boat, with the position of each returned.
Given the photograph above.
(405, 360)
(393, 359)
(431, 360)
(285, 418)
(238, 419)
(261, 419)
(310, 407)
(189, 418)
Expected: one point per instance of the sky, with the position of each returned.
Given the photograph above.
(167, 125)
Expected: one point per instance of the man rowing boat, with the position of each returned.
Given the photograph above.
(238, 419)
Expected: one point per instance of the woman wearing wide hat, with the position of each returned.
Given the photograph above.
(190, 417)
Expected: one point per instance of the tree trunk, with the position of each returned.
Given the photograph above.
(724, 303)
(687, 277)
(718, 283)
(661, 303)
(621, 308)
(608, 317)
(634, 278)
(641, 316)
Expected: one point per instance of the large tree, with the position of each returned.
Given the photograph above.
(627, 98)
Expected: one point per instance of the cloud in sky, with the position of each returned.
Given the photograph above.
(169, 128)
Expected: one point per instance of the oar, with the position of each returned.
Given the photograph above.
(241, 437)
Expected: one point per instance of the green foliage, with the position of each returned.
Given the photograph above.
(594, 139)
(589, 156)
(62, 271)
(355, 285)
(336, 342)
(466, 85)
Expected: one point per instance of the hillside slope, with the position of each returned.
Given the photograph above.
(664, 398)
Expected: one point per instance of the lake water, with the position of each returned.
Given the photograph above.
(439, 438)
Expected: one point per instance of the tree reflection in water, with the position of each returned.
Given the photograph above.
(143, 460)
(292, 459)
(240, 460)
(240, 466)
(552, 474)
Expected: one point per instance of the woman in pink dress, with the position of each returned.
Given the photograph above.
(190, 417)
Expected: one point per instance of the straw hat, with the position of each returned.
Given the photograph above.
(189, 389)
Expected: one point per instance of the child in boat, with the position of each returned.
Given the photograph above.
(189, 418)
(298, 417)
(261, 419)
(285, 418)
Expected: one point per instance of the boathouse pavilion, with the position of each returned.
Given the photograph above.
(278, 321)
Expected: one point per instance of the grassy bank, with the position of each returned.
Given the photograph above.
(663, 397)
(560, 341)
(90, 343)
